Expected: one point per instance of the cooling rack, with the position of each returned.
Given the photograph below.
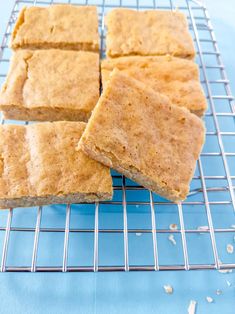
(138, 230)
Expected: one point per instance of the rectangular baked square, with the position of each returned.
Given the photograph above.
(40, 164)
(139, 133)
(58, 26)
(152, 32)
(176, 78)
(50, 85)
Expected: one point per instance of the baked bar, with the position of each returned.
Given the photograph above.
(141, 134)
(175, 77)
(40, 164)
(58, 26)
(50, 85)
(152, 32)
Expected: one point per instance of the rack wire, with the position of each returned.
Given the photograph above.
(132, 232)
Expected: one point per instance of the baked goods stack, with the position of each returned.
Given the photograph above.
(53, 76)
(146, 124)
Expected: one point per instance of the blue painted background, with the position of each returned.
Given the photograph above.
(121, 292)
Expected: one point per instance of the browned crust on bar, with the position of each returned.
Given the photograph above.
(141, 134)
(40, 164)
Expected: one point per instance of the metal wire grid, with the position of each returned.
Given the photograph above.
(199, 21)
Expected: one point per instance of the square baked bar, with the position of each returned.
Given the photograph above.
(50, 85)
(139, 133)
(150, 32)
(40, 164)
(57, 26)
(174, 77)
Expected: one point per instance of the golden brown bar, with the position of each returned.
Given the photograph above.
(40, 164)
(141, 134)
(58, 26)
(50, 85)
(152, 32)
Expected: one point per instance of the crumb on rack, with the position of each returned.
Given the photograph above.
(171, 238)
(168, 289)
(218, 292)
(230, 248)
(225, 271)
(173, 227)
(192, 307)
(203, 228)
(228, 283)
(209, 299)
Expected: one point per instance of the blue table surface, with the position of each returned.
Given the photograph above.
(139, 292)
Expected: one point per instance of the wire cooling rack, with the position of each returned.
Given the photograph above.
(138, 230)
